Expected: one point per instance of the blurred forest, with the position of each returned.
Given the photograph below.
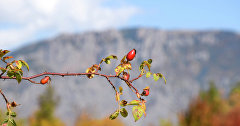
(45, 115)
(211, 108)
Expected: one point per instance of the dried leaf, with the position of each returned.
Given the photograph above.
(124, 112)
(7, 57)
(114, 115)
(120, 90)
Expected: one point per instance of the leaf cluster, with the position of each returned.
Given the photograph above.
(9, 120)
(12, 69)
(122, 71)
(138, 109)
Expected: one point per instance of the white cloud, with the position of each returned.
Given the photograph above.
(28, 18)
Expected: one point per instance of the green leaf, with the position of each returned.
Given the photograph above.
(25, 64)
(13, 114)
(149, 61)
(19, 64)
(18, 77)
(124, 112)
(161, 76)
(12, 122)
(5, 121)
(112, 57)
(137, 112)
(114, 115)
(3, 69)
(10, 73)
(145, 63)
(141, 67)
(155, 77)
(148, 74)
(107, 59)
(134, 102)
(21, 72)
(7, 113)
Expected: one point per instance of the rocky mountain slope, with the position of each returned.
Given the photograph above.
(188, 59)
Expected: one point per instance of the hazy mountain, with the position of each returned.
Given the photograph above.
(188, 59)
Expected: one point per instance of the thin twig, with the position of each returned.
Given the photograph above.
(4, 97)
(6, 67)
(111, 83)
(128, 82)
(140, 75)
(1, 75)
(4, 61)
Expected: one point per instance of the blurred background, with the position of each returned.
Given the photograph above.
(194, 44)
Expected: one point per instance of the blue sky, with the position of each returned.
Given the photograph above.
(25, 21)
(189, 14)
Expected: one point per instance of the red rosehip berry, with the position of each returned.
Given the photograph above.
(45, 80)
(131, 55)
(4, 124)
(126, 76)
(145, 93)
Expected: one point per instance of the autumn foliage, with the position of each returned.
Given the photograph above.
(45, 115)
(86, 120)
(210, 108)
